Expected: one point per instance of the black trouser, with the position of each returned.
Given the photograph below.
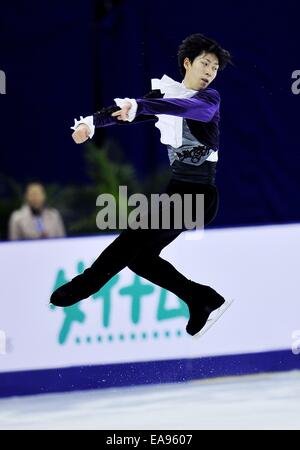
(139, 249)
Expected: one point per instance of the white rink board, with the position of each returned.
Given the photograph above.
(256, 266)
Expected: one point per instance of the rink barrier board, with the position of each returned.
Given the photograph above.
(143, 373)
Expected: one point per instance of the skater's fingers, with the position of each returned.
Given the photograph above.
(80, 136)
(123, 117)
(122, 114)
(76, 140)
(117, 113)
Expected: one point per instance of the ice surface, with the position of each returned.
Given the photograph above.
(267, 401)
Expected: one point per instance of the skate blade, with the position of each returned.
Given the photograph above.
(214, 316)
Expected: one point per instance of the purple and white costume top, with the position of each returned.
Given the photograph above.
(188, 121)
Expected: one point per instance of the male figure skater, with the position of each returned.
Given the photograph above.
(187, 115)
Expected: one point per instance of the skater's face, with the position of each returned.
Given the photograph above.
(202, 72)
(35, 196)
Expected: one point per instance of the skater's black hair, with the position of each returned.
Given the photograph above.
(195, 44)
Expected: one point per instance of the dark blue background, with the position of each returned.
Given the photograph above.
(65, 59)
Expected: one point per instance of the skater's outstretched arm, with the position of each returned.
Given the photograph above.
(84, 128)
(201, 107)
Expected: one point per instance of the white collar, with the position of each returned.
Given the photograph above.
(169, 86)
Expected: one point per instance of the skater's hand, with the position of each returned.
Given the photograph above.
(81, 134)
(122, 114)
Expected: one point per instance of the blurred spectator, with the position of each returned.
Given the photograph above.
(35, 220)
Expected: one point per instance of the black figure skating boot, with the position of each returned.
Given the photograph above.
(203, 300)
